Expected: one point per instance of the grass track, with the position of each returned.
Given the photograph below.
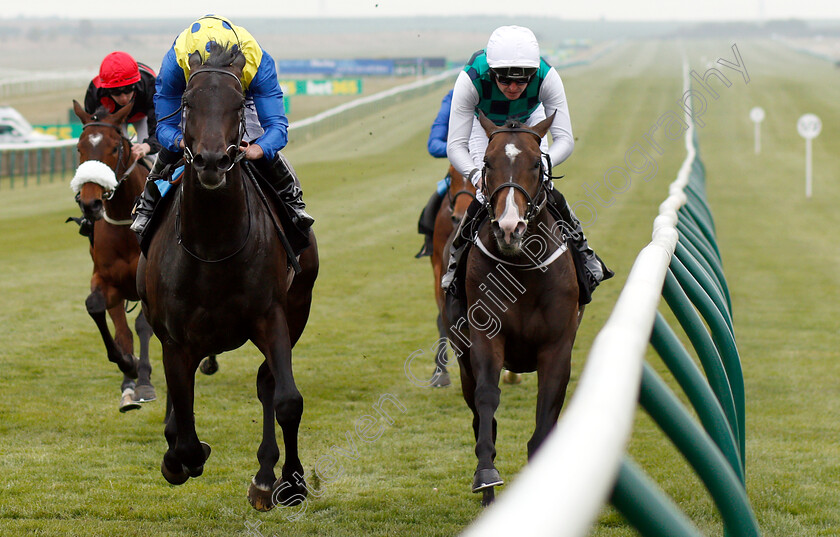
(71, 465)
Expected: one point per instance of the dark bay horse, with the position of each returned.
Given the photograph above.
(106, 183)
(459, 195)
(217, 275)
(521, 294)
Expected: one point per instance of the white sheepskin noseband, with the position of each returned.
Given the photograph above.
(94, 171)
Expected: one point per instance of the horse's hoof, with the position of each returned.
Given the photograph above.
(486, 478)
(127, 401)
(260, 499)
(511, 378)
(208, 365)
(289, 494)
(174, 478)
(144, 393)
(180, 476)
(441, 380)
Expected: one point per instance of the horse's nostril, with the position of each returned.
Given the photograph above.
(224, 163)
(198, 161)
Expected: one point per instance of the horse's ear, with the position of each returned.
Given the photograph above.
(239, 62)
(485, 122)
(195, 60)
(542, 127)
(80, 112)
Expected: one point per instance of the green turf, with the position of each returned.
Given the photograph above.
(70, 464)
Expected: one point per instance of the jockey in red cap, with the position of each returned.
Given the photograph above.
(124, 82)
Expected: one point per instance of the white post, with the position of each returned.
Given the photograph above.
(809, 168)
(757, 116)
(808, 126)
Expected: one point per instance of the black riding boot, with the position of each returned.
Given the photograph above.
(148, 200)
(283, 179)
(595, 269)
(459, 246)
(426, 224)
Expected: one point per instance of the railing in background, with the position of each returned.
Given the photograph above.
(583, 463)
(13, 83)
(328, 121)
(21, 163)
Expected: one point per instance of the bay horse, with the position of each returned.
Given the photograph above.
(217, 274)
(106, 184)
(459, 195)
(521, 294)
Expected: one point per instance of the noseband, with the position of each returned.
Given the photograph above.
(188, 154)
(532, 209)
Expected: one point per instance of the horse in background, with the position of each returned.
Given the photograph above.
(106, 184)
(217, 274)
(521, 293)
(459, 195)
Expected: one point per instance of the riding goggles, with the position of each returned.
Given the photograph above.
(510, 75)
(122, 90)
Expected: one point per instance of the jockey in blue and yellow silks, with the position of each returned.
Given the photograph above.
(266, 125)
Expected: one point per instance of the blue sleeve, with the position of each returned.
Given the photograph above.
(268, 100)
(440, 128)
(169, 90)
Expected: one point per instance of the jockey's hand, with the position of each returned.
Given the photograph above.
(252, 151)
(477, 179)
(139, 151)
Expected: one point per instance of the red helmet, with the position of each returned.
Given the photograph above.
(118, 69)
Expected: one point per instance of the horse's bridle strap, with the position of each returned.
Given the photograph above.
(519, 130)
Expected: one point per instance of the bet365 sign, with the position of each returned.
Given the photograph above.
(331, 86)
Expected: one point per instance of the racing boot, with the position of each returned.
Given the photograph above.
(426, 224)
(595, 271)
(149, 198)
(285, 182)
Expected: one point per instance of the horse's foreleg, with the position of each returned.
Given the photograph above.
(486, 362)
(553, 372)
(96, 305)
(186, 455)
(262, 486)
(144, 392)
(273, 339)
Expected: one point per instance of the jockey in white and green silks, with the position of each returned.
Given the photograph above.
(512, 54)
(509, 80)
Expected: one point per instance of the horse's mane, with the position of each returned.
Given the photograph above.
(221, 55)
(100, 113)
(513, 124)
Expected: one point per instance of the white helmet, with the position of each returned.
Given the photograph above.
(513, 51)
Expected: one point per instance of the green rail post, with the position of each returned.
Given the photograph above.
(723, 339)
(705, 348)
(712, 468)
(697, 389)
(646, 507)
(696, 269)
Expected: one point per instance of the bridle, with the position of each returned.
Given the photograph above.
(189, 157)
(238, 155)
(532, 208)
(120, 157)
